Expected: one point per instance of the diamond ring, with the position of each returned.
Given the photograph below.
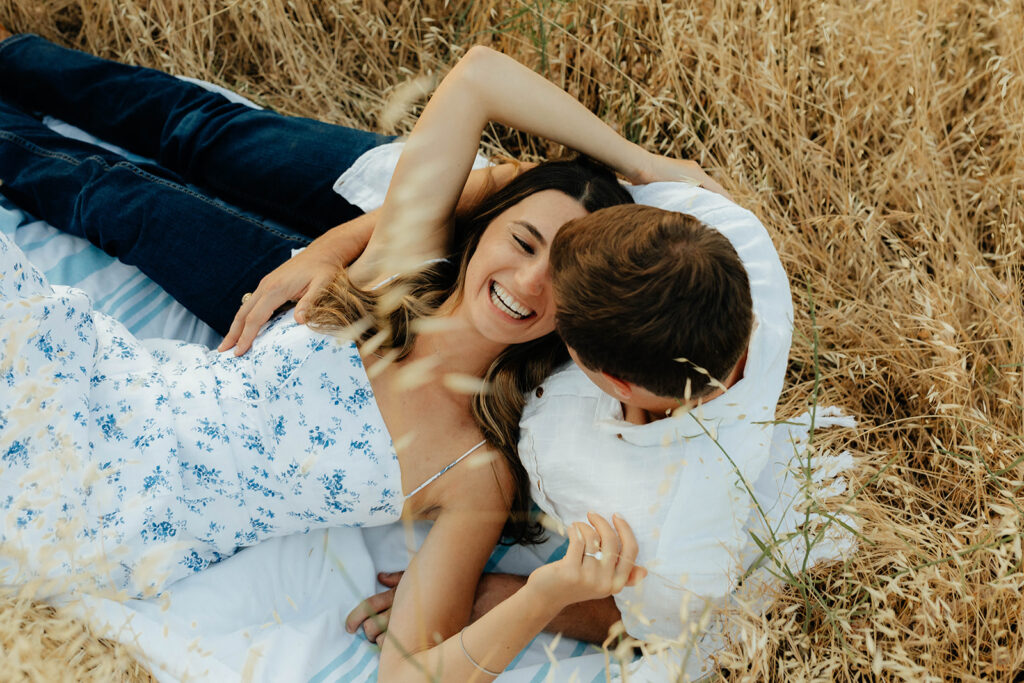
(597, 556)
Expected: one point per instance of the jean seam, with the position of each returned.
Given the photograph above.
(15, 39)
(37, 150)
(127, 165)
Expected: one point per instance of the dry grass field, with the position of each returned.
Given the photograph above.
(880, 143)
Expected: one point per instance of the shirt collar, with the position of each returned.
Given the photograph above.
(701, 421)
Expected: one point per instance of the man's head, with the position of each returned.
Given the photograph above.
(651, 297)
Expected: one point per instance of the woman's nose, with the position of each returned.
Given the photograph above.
(533, 277)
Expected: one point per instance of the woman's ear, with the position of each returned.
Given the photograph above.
(623, 389)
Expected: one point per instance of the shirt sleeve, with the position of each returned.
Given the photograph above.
(365, 183)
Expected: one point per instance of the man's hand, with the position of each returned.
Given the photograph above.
(374, 613)
(300, 279)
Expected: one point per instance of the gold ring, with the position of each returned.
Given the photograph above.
(246, 297)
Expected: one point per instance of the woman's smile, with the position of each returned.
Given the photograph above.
(508, 304)
(508, 287)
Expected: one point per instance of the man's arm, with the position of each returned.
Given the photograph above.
(588, 621)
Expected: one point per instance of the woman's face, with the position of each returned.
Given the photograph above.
(508, 290)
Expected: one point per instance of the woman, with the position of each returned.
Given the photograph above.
(501, 300)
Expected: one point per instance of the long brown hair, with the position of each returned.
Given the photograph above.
(520, 368)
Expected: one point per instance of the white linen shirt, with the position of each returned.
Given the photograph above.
(674, 480)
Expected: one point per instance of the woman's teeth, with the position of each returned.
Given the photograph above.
(507, 303)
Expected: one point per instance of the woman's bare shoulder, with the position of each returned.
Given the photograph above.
(482, 483)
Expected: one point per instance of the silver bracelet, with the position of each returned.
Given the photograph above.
(473, 661)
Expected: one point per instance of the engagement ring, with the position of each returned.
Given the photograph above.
(597, 556)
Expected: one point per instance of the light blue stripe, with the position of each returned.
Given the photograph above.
(499, 552)
(138, 306)
(38, 243)
(336, 662)
(359, 668)
(74, 268)
(157, 310)
(102, 302)
(123, 299)
(559, 552)
(11, 217)
(514, 662)
(542, 674)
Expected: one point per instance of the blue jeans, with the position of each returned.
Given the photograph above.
(195, 219)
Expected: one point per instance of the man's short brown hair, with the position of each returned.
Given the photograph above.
(652, 297)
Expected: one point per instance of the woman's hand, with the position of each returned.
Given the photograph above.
(300, 279)
(659, 168)
(600, 562)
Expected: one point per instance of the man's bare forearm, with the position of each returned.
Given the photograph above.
(588, 621)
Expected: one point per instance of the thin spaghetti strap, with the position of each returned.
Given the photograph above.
(447, 467)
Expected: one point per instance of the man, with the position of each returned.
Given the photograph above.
(659, 323)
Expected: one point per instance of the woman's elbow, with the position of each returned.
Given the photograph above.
(479, 55)
(477, 64)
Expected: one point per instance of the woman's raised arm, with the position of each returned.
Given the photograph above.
(415, 220)
(301, 277)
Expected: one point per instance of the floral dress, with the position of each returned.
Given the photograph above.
(128, 464)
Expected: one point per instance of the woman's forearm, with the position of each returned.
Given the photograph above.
(589, 621)
(484, 86)
(599, 561)
(492, 642)
(488, 86)
(509, 93)
(514, 95)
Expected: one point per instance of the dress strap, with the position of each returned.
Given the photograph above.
(447, 467)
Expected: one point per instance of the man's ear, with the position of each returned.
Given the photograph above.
(623, 389)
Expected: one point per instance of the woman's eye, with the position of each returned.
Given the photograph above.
(523, 245)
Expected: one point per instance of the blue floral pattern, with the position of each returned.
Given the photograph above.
(138, 462)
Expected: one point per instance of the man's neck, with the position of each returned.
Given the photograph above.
(657, 408)
(636, 415)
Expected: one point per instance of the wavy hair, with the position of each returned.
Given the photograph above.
(387, 313)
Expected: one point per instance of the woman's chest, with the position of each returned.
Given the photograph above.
(430, 429)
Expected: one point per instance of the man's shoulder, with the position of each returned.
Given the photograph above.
(568, 409)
